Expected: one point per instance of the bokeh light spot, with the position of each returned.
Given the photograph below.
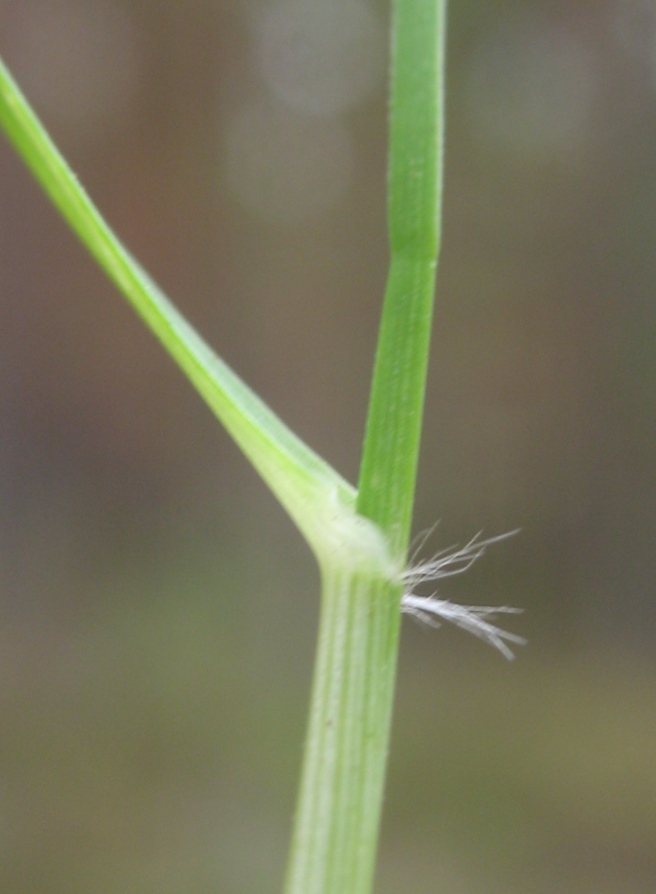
(531, 87)
(321, 58)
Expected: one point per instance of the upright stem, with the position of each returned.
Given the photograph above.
(391, 449)
(336, 829)
(338, 817)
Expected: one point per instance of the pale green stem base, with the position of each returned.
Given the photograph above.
(336, 827)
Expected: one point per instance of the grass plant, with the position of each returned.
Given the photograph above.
(359, 535)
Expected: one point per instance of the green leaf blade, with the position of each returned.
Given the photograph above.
(318, 499)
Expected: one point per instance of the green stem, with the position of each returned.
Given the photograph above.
(391, 449)
(338, 817)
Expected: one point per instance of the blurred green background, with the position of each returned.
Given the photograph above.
(158, 610)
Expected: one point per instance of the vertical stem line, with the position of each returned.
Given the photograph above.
(334, 841)
(389, 464)
(336, 830)
(391, 448)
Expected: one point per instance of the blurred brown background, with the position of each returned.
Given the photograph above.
(157, 609)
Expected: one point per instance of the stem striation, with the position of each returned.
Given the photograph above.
(338, 817)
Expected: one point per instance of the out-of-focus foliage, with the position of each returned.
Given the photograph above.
(157, 610)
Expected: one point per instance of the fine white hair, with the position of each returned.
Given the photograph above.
(476, 619)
